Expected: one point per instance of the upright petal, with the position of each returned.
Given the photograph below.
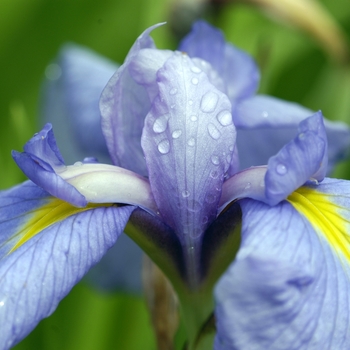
(288, 287)
(46, 247)
(268, 121)
(302, 159)
(188, 140)
(237, 68)
(124, 105)
(71, 101)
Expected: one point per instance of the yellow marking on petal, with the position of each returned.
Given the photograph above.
(325, 216)
(54, 211)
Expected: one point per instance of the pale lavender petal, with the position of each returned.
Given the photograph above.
(264, 124)
(188, 142)
(71, 101)
(287, 288)
(235, 67)
(302, 159)
(37, 274)
(124, 105)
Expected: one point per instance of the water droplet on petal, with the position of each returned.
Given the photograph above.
(265, 114)
(214, 174)
(224, 117)
(185, 194)
(190, 102)
(301, 136)
(173, 91)
(193, 118)
(213, 131)
(193, 205)
(176, 134)
(248, 186)
(161, 123)
(215, 160)
(191, 142)
(164, 146)
(281, 169)
(210, 198)
(78, 163)
(2, 303)
(194, 81)
(195, 69)
(209, 102)
(172, 106)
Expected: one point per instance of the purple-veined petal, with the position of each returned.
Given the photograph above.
(288, 287)
(237, 69)
(188, 140)
(71, 101)
(302, 159)
(37, 273)
(264, 124)
(124, 105)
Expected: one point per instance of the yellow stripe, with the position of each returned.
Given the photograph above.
(324, 216)
(54, 211)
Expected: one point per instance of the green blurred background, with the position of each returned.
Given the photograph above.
(293, 64)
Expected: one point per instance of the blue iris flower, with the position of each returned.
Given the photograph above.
(201, 165)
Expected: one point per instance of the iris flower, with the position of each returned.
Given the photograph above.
(224, 189)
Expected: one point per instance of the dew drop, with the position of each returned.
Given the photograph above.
(209, 102)
(191, 142)
(173, 91)
(194, 81)
(193, 205)
(213, 131)
(214, 174)
(161, 123)
(301, 136)
(36, 134)
(265, 114)
(185, 193)
(193, 118)
(190, 102)
(215, 160)
(195, 69)
(172, 106)
(231, 148)
(224, 117)
(248, 186)
(164, 146)
(210, 198)
(281, 169)
(2, 303)
(176, 134)
(78, 163)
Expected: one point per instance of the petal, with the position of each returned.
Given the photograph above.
(264, 120)
(237, 68)
(188, 142)
(288, 288)
(46, 248)
(124, 105)
(71, 101)
(302, 159)
(83, 182)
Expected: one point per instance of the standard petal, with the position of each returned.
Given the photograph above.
(124, 105)
(46, 247)
(188, 141)
(302, 159)
(237, 69)
(287, 288)
(71, 101)
(268, 121)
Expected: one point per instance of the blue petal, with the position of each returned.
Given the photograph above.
(237, 68)
(288, 287)
(71, 101)
(268, 121)
(302, 159)
(36, 273)
(124, 105)
(188, 141)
